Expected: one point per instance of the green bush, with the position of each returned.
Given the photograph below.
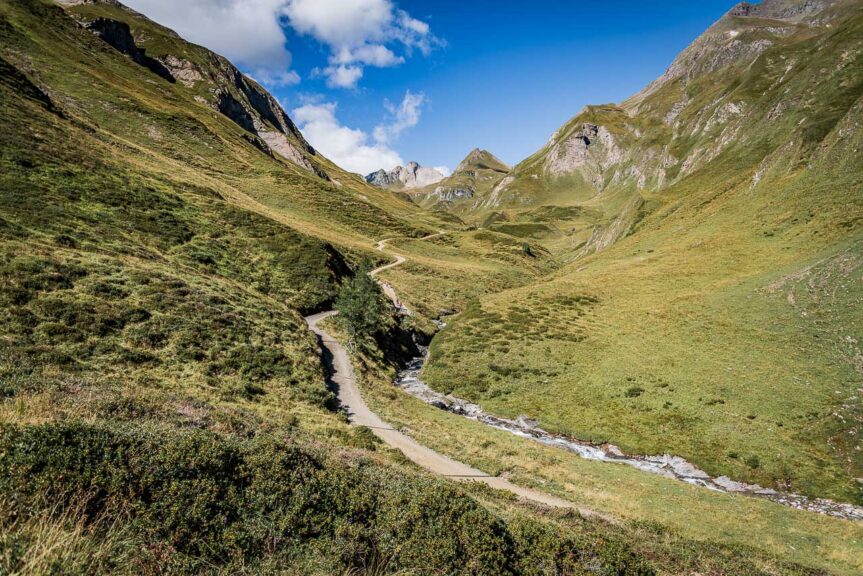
(212, 500)
(363, 306)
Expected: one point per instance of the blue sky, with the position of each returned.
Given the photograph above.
(373, 82)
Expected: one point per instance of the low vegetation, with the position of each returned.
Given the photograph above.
(163, 406)
(197, 500)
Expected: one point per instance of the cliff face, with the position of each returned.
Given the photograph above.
(405, 177)
(213, 80)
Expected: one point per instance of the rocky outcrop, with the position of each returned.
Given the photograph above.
(793, 10)
(182, 70)
(230, 92)
(119, 36)
(591, 151)
(451, 194)
(280, 144)
(381, 178)
(408, 177)
(415, 176)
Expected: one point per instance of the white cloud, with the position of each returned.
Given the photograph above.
(444, 170)
(248, 32)
(271, 78)
(347, 147)
(404, 116)
(352, 149)
(357, 33)
(373, 55)
(341, 76)
(341, 22)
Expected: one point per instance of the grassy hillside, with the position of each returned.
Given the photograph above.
(163, 404)
(163, 408)
(724, 328)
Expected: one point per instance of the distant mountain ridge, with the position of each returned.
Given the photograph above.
(407, 177)
(472, 180)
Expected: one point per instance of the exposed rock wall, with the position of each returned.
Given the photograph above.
(408, 177)
(231, 93)
(119, 36)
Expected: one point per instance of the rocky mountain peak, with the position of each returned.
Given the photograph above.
(381, 178)
(408, 177)
(482, 160)
(739, 38)
(794, 10)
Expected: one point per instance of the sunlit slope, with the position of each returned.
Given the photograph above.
(163, 407)
(198, 120)
(725, 327)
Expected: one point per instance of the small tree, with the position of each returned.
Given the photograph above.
(363, 305)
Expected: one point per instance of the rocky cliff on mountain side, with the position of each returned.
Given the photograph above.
(780, 9)
(405, 177)
(216, 82)
(475, 176)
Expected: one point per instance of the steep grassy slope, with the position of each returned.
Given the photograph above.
(725, 328)
(162, 229)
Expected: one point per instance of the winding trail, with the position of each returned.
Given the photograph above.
(340, 377)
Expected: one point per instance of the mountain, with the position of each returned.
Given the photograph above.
(405, 177)
(712, 227)
(472, 180)
(590, 184)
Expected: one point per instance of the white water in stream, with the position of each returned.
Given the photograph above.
(665, 465)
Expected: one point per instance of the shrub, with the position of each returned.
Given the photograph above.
(363, 306)
(205, 500)
(753, 462)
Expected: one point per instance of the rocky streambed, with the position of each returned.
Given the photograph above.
(666, 465)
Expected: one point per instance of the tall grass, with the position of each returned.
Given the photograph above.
(60, 540)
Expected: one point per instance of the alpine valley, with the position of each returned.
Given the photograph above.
(638, 351)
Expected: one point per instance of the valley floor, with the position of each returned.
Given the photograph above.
(600, 489)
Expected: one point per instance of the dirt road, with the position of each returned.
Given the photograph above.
(340, 375)
(341, 378)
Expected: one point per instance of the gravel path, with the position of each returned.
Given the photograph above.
(340, 376)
